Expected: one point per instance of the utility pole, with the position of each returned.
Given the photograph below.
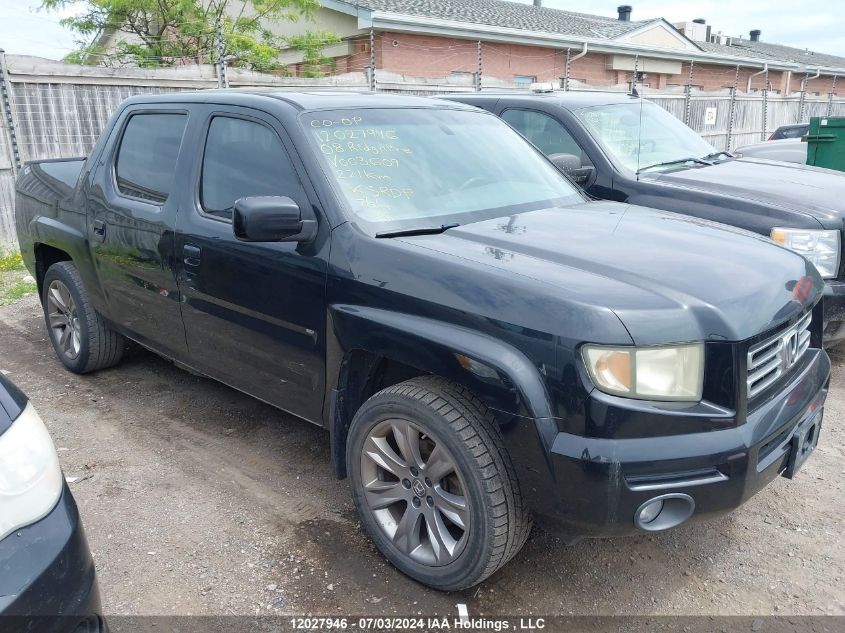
(222, 81)
(8, 116)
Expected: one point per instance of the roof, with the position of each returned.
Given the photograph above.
(312, 100)
(570, 100)
(514, 15)
(774, 53)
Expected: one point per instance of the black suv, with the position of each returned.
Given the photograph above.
(482, 343)
(619, 147)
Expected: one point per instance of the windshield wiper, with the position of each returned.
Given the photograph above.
(424, 230)
(677, 161)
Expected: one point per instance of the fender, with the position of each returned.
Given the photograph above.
(430, 346)
(62, 236)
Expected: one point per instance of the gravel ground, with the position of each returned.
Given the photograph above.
(200, 500)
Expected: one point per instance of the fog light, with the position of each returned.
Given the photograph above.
(650, 511)
(664, 512)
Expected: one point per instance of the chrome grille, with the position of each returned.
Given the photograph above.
(769, 360)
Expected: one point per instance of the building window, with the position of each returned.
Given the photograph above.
(464, 76)
(524, 80)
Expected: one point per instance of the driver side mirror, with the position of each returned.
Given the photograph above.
(271, 219)
(570, 165)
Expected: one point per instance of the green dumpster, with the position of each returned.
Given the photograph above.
(826, 142)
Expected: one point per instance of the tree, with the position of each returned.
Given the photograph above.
(312, 45)
(168, 32)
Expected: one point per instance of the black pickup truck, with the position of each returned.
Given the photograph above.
(619, 147)
(483, 344)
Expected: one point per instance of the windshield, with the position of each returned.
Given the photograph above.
(660, 139)
(404, 168)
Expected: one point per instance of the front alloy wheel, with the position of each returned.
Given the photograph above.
(433, 483)
(413, 488)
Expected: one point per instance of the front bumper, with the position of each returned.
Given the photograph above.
(599, 484)
(47, 578)
(834, 312)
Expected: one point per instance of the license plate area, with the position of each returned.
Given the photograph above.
(803, 443)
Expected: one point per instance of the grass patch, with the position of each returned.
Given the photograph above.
(13, 288)
(17, 290)
(11, 262)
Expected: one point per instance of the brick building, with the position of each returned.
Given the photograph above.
(520, 43)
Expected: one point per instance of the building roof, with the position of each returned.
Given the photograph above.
(514, 15)
(774, 52)
(524, 16)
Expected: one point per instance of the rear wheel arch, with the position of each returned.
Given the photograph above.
(45, 257)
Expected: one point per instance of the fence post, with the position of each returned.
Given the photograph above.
(688, 97)
(566, 70)
(222, 82)
(732, 110)
(830, 96)
(765, 104)
(636, 73)
(371, 74)
(480, 68)
(803, 97)
(8, 115)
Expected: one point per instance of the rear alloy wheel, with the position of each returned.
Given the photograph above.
(434, 484)
(63, 320)
(80, 337)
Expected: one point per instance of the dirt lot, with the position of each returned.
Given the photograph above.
(200, 500)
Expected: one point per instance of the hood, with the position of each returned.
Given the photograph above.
(811, 191)
(668, 278)
(791, 150)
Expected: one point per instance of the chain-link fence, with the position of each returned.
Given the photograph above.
(54, 110)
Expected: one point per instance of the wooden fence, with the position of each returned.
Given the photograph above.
(56, 110)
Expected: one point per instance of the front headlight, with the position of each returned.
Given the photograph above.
(820, 247)
(672, 372)
(30, 476)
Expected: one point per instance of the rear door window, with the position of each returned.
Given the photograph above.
(146, 158)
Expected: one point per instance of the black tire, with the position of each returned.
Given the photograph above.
(440, 412)
(98, 345)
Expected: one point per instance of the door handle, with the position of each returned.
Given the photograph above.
(100, 229)
(191, 255)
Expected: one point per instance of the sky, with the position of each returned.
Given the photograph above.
(814, 24)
